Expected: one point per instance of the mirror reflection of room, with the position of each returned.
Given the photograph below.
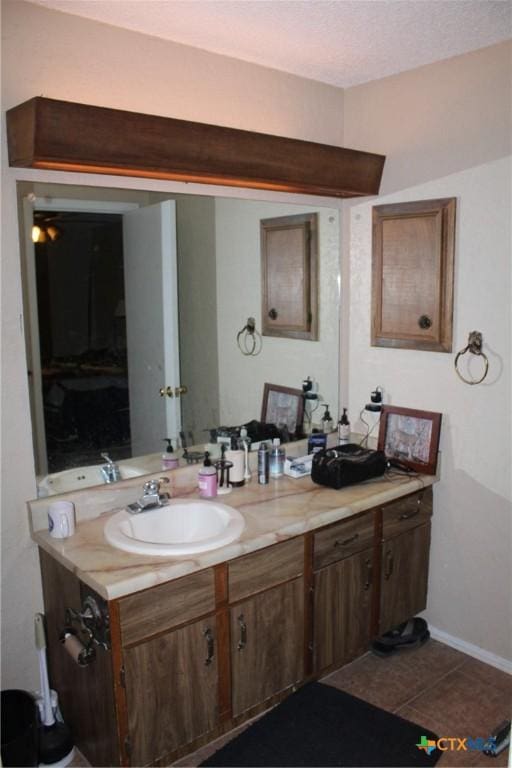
(82, 336)
(103, 362)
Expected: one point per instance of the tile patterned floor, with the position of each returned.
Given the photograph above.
(435, 686)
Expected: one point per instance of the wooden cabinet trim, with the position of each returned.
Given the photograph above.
(61, 135)
(412, 274)
(289, 276)
(153, 611)
(406, 513)
(265, 568)
(343, 539)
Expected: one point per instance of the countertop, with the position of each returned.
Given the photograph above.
(282, 509)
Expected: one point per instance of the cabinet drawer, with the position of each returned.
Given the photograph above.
(343, 539)
(160, 608)
(265, 568)
(406, 513)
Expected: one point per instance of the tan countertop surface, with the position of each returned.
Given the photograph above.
(282, 509)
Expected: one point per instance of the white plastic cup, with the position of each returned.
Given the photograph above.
(61, 519)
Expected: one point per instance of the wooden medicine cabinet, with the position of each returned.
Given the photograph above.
(289, 247)
(412, 274)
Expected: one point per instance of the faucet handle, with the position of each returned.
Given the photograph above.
(107, 458)
(153, 486)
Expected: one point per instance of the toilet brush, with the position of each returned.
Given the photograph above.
(55, 742)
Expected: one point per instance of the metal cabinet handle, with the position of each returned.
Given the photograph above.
(344, 543)
(210, 646)
(389, 564)
(243, 632)
(408, 515)
(166, 391)
(181, 390)
(369, 575)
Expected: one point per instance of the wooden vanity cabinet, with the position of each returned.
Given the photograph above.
(405, 551)
(86, 694)
(344, 566)
(266, 623)
(169, 672)
(193, 657)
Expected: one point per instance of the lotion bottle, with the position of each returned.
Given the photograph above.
(169, 460)
(207, 479)
(344, 428)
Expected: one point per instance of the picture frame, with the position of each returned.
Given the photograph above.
(283, 406)
(410, 437)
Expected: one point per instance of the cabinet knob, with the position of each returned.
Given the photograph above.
(273, 314)
(166, 391)
(424, 322)
(181, 390)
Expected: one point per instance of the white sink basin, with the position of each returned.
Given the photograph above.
(81, 477)
(181, 527)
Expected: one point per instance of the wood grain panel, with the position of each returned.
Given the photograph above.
(289, 276)
(86, 694)
(406, 513)
(343, 604)
(61, 135)
(262, 570)
(404, 577)
(270, 655)
(155, 610)
(171, 691)
(412, 274)
(343, 539)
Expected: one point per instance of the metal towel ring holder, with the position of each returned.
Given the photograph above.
(249, 339)
(474, 346)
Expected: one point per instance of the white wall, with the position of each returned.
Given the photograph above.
(426, 137)
(281, 361)
(459, 145)
(61, 56)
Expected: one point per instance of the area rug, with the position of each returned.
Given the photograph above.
(322, 726)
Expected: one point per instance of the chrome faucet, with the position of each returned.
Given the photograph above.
(110, 471)
(152, 496)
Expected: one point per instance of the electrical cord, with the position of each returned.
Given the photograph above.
(369, 430)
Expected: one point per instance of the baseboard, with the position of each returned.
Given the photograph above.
(472, 650)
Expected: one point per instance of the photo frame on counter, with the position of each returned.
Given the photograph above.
(283, 406)
(410, 437)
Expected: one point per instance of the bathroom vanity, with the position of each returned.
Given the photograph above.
(199, 644)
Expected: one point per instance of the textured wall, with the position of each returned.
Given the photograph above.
(61, 56)
(446, 132)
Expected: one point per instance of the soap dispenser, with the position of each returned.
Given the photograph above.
(207, 479)
(169, 460)
(327, 422)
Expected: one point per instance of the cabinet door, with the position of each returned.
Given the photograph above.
(342, 610)
(404, 576)
(267, 644)
(171, 690)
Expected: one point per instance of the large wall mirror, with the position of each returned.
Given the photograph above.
(133, 302)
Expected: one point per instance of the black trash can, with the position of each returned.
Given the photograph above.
(20, 729)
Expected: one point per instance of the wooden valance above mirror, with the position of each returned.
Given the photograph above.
(64, 136)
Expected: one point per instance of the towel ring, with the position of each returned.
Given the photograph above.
(474, 346)
(249, 339)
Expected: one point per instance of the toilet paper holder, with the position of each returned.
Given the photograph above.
(86, 628)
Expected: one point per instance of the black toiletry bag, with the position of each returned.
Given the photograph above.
(346, 464)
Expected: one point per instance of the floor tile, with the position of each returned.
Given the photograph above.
(391, 682)
(469, 707)
(487, 674)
